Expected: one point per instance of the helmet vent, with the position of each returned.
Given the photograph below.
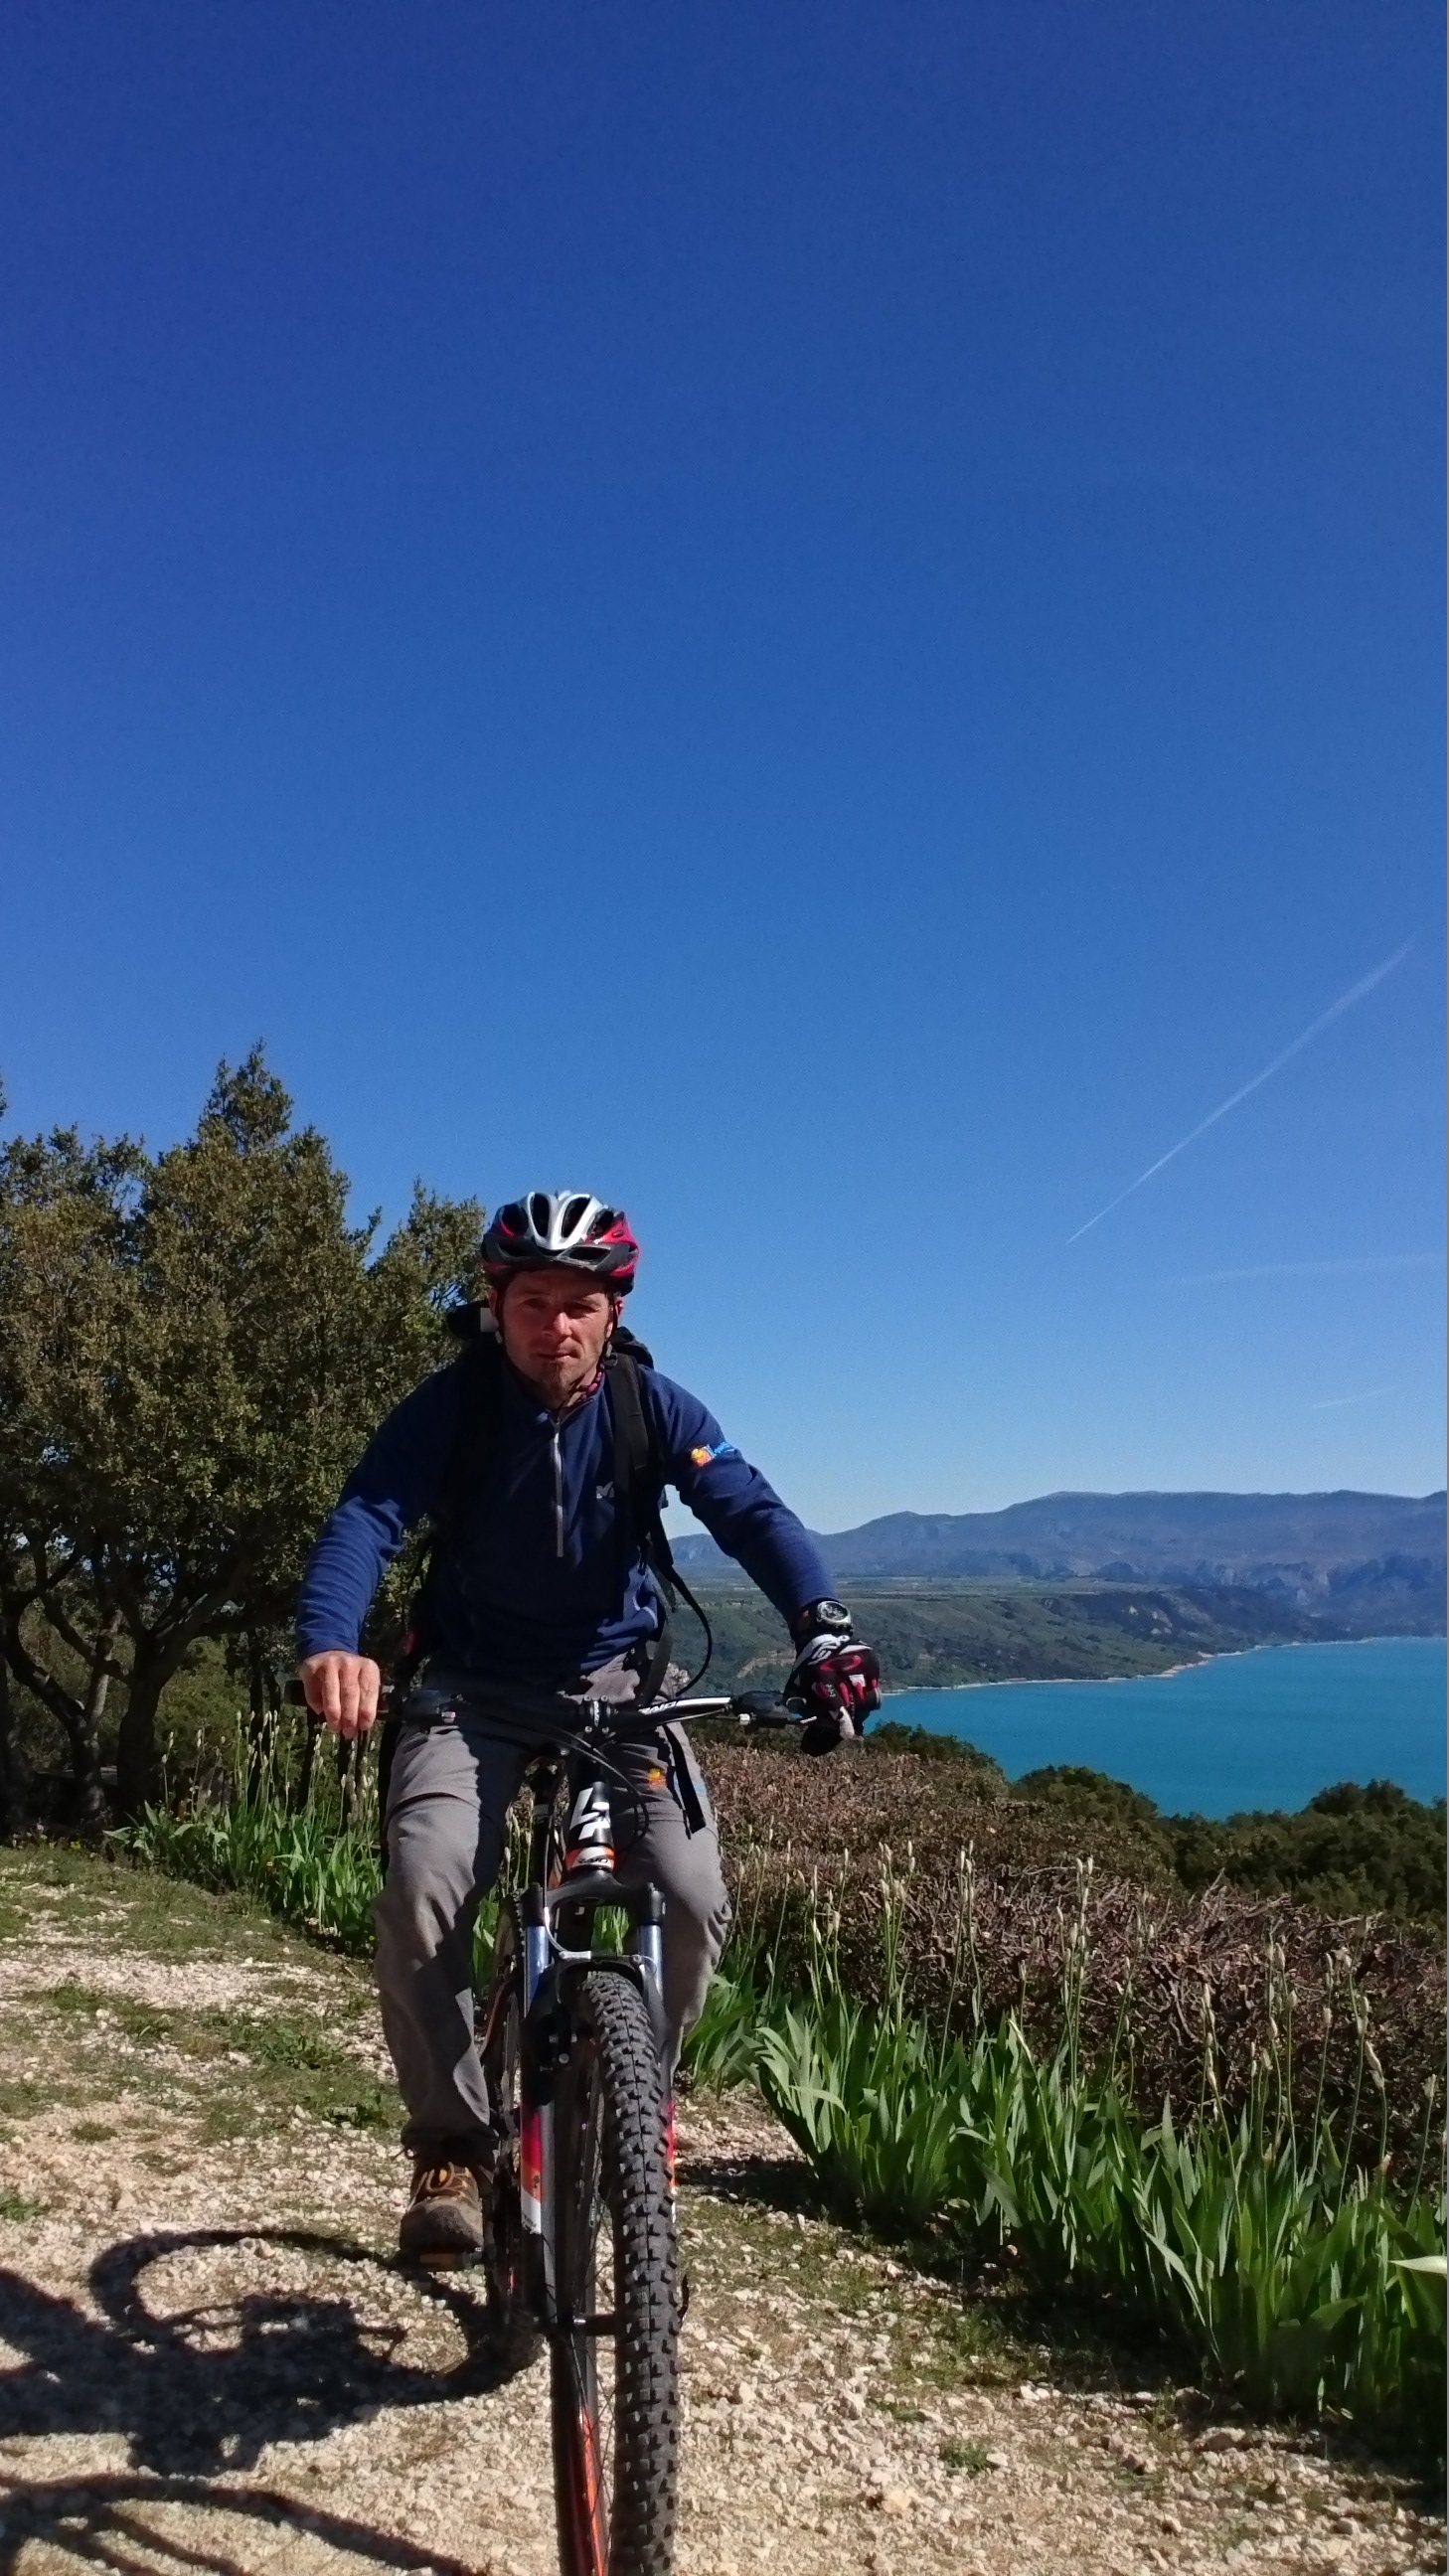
(569, 1227)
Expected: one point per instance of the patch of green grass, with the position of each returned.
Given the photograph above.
(21, 2097)
(71, 1998)
(166, 1917)
(13, 2204)
(257, 2067)
(971, 2342)
(44, 1864)
(970, 2456)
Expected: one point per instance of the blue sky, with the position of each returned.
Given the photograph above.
(826, 620)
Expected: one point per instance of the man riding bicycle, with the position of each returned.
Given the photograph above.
(542, 1579)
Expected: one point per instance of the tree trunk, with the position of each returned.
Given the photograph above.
(14, 1780)
(87, 1797)
(137, 1774)
(154, 1658)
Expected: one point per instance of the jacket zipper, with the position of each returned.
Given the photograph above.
(558, 1509)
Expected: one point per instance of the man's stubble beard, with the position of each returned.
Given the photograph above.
(558, 1385)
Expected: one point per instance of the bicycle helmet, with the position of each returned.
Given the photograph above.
(564, 1230)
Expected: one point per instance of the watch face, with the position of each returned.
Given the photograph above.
(831, 1614)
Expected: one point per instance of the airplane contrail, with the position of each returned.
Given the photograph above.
(1335, 1010)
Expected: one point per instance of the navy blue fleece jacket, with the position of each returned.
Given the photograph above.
(538, 1585)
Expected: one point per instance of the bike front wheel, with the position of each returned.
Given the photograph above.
(616, 2344)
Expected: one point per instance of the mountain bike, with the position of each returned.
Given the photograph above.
(580, 2244)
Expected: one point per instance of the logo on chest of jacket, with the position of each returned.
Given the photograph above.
(604, 1493)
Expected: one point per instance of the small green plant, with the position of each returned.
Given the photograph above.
(13, 2204)
(973, 2457)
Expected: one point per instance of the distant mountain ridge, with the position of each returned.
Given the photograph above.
(1345, 1552)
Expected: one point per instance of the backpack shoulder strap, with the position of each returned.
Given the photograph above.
(638, 1476)
(639, 1492)
(480, 1417)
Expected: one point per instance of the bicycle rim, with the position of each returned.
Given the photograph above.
(615, 2358)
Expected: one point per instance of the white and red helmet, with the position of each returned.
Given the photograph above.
(561, 1230)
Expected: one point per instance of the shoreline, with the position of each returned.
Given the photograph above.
(1170, 1672)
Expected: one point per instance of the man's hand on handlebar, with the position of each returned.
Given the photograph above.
(835, 1683)
(342, 1690)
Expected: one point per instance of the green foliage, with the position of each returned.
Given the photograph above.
(1292, 2280)
(973, 2457)
(306, 1847)
(1351, 1850)
(302, 1861)
(194, 1348)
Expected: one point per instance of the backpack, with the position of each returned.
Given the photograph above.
(638, 1479)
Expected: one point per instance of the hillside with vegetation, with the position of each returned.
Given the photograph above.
(931, 1638)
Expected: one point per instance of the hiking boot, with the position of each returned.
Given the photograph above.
(442, 2225)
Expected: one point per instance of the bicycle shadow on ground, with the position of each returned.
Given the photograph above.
(144, 2526)
(195, 2391)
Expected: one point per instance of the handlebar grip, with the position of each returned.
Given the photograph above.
(759, 1709)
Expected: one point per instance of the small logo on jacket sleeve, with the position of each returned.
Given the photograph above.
(721, 1449)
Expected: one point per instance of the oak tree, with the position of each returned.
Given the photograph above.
(194, 1348)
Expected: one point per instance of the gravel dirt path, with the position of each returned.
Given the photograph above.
(208, 2361)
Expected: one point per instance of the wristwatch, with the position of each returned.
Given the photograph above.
(821, 1618)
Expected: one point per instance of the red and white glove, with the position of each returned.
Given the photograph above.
(834, 1682)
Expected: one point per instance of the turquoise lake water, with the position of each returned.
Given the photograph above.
(1266, 1729)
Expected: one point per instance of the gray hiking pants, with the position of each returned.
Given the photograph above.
(451, 1787)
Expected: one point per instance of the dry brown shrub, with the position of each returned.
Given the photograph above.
(797, 1832)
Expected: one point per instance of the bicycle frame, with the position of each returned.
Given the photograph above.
(552, 1914)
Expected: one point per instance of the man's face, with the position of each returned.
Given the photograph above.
(554, 1325)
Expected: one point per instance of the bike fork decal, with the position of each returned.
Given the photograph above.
(530, 2163)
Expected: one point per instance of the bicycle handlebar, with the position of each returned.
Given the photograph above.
(747, 1708)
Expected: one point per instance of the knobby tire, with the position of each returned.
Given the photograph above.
(615, 2395)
